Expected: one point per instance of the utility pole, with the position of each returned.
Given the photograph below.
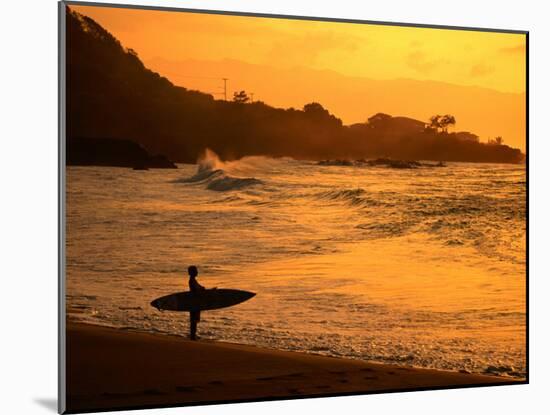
(252, 97)
(225, 87)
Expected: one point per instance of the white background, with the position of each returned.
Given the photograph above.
(28, 227)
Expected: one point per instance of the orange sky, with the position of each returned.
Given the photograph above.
(354, 70)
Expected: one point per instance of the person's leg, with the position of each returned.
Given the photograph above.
(197, 319)
(193, 326)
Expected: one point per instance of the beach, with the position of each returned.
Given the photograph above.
(111, 368)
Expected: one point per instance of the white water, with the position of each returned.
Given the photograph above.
(424, 267)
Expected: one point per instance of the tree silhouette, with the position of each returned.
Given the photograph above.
(447, 121)
(316, 111)
(241, 97)
(434, 122)
(441, 122)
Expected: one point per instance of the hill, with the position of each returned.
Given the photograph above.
(110, 93)
(486, 111)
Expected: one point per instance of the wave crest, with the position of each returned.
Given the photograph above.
(211, 172)
(232, 183)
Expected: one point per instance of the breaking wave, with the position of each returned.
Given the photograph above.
(211, 172)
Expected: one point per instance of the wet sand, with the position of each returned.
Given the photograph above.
(112, 368)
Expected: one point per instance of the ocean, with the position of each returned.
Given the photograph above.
(423, 267)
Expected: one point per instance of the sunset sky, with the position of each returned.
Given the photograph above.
(344, 66)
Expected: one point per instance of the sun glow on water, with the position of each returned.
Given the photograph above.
(423, 267)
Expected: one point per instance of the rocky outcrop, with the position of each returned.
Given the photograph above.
(394, 164)
(113, 152)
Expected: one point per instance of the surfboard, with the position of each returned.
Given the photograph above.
(202, 300)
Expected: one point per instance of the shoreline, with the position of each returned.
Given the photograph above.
(110, 368)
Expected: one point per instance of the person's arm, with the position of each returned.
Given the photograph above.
(194, 285)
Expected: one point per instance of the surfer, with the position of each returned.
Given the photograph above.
(194, 286)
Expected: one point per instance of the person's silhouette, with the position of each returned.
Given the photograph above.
(194, 286)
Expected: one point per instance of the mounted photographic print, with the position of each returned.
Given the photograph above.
(260, 207)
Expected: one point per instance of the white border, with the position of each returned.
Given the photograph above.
(29, 208)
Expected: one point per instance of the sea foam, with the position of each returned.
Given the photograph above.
(213, 173)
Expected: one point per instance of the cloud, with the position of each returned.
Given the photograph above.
(419, 62)
(514, 50)
(481, 69)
